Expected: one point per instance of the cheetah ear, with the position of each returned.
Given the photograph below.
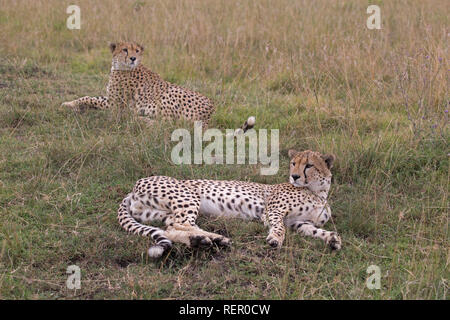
(329, 159)
(292, 153)
(112, 46)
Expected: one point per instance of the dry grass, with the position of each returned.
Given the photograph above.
(375, 98)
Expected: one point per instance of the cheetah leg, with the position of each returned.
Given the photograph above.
(90, 102)
(132, 212)
(178, 211)
(195, 237)
(277, 230)
(214, 237)
(182, 227)
(307, 228)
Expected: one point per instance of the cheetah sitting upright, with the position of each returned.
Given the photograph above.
(133, 85)
(300, 205)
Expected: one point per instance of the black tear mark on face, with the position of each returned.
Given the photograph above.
(307, 165)
(126, 56)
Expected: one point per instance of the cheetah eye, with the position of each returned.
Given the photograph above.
(293, 163)
(137, 51)
(125, 50)
(309, 166)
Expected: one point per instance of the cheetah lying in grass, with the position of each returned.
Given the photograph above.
(300, 205)
(133, 85)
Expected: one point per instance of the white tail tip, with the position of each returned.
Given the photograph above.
(251, 121)
(155, 251)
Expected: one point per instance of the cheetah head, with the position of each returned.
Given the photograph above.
(126, 55)
(310, 169)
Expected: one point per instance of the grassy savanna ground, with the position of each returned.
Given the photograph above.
(377, 99)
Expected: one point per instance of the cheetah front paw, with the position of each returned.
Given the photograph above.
(199, 241)
(334, 241)
(274, 242)
(222, 242)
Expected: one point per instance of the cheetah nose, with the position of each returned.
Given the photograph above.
(133, 58)
(295, 176)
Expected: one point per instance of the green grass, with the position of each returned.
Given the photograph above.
(63, 175)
